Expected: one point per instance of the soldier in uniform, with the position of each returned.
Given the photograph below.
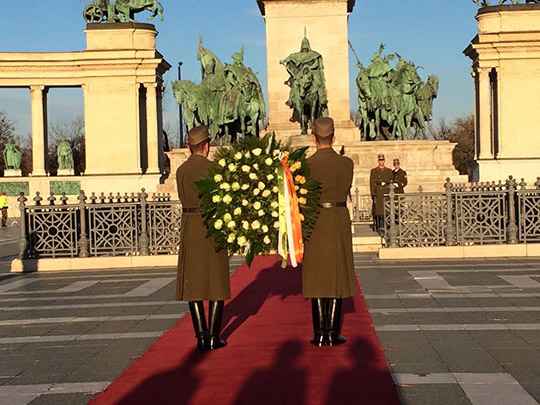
(399, 178)
(379, 182)
(203, 272)
(328, 274)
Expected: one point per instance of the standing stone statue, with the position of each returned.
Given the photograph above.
(308, 86)
(65, 156)
(12, 156)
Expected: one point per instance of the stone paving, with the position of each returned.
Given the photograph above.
(454, 332)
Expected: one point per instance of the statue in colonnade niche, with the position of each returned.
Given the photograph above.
(307, 96)
(394, 101)
(121, 10)
(12, 156)
(65, 155)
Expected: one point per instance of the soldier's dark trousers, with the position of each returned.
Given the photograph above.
(4, 216)
(327, 321)
(379, 223)
(318, 312)
(334, 321)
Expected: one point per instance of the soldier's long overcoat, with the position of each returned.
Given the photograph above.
(379, 183)
(203, 273)
(400, 179)
(328, 259)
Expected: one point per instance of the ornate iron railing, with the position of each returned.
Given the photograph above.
(465, 214)
(101, 225)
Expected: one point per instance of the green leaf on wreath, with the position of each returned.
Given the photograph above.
(206, 185)
(295, 155)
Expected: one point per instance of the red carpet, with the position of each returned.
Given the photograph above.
(268, 360)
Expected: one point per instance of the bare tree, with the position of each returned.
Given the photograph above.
(72, 131)
(461, 131)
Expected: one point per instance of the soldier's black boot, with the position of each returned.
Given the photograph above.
(334, 325)
(215, 314)
(317, 312)
(199, 323)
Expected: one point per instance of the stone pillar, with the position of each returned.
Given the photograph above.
(38, 97)
(485, 151)
(152, 139)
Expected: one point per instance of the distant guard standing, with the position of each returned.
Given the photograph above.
(203, 273)
(379, 182)
(328, 274)
(399, 178)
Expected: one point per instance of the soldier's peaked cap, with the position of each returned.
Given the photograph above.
(381, 156)
(396, 160)
(198, 135)
(324, 127)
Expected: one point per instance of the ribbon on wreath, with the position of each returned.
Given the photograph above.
(290, 225)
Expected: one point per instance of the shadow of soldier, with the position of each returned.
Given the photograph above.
(174, 386)
(271, 281)
(284, 382)
(367, 380)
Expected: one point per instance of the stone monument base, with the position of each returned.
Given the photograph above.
(500, 169)
(428, 163)
(12, 173)
(348, 132)
(66, 172)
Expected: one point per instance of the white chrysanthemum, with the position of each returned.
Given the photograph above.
(245, 203)
(238, 156)
(253, 176)
(218, 224)
(276, 152)
(227, 199)
(227, 217)
(266, 240)
(264, 228)
(237, 211)
(216, 198)
(257, 152)
(256, 225)
(235, 186)
(256, 166)
(241, 241)
(247, 155)
(275, 214)
(231, 238)
(257, 205)
(222, 162)
(275, 189)
(266, 193)
(276, 225)
(232, 167)
(274, 204)
(225, 186)
(261, 213)
(245, 186)
(269, 161)
(256, 191)
(270, 177)
(246, 168)
(245, 225)
(218, 178)
(231, 225)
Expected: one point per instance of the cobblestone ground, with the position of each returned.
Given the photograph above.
(458, 332)
(454, 332)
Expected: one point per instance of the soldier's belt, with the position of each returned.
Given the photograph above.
(333, 204)
(193, 210)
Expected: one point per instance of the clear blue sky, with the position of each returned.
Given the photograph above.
(432, 33)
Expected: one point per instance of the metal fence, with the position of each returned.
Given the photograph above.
(104, 225)
(465, 214)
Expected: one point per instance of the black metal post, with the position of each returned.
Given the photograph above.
(181, 112)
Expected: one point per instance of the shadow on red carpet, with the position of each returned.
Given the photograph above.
(268, 360)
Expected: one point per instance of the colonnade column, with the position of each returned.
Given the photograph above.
(152, 128)
(484, 114)
(38, 96)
